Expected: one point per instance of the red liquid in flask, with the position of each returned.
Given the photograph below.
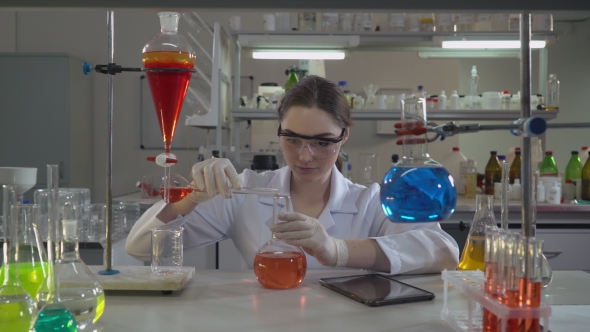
(168, 88)
(280, 270)
(175, 194)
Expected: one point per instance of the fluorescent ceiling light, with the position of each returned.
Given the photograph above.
(443, 54)
(489, 44)
(298, 55)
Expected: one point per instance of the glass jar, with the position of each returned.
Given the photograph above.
(307, 21)
(330, 21)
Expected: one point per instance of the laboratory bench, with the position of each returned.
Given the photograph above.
(216, 300)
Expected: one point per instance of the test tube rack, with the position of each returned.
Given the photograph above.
(470, 284)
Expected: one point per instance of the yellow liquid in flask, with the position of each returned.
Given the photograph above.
(473, 254)
(30, 275)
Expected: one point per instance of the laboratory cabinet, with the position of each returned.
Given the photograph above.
(46, 117)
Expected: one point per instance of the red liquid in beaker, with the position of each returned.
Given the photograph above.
(280, 270)
(176, 193)
(168, 88)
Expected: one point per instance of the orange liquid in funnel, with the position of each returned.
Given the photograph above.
(168, 88)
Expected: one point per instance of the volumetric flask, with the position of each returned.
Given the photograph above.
(167, 250)
(279, 265)
(417, 189)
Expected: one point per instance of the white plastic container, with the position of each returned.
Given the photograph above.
(540, 193)
(413, 22)
(464, 21)
(516, 192)
(584, 155)
(452, 162)
(542, 22)
(515, 101)
(396, 22)
(444, 22)
(554, 194)
(514, 22)
(500, 22)
(442, 101)
(483, 22)
(506, 100)
(454, 101)
(491, 101)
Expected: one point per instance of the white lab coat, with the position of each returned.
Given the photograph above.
(353, 212)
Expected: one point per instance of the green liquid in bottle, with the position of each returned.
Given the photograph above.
(15, 316)
(54, 318)
(31, 276)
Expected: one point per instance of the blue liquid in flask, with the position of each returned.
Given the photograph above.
(412, 194)
(54, 318)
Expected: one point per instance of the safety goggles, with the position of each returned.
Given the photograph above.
(318, 147)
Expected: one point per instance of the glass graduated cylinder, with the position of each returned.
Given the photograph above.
(278, 265)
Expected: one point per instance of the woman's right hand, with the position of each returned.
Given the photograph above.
(211, 176)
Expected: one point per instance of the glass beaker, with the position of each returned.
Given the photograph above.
(85, 205)
(125, 214)
(78, 290)
(472, 257)
(17, 308)
(32, 259)
(278, 265)
(97, 228)
(417, 189)
(167, 252)
(368, 168)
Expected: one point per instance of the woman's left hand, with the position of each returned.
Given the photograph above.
(307, 232)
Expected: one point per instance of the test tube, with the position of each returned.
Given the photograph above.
(532, 281)
(511, 262)
(491, 268)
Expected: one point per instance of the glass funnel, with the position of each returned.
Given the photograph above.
(17, 308)
(78, 289)
(169, 60)
(416, 189)
(32, 259)
(472, 257)
(279, 265)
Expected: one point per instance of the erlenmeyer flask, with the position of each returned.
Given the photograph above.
(416, 189)
(78, 289)
(472, 257)
(17, 308)
(166, 58)
(32, 260)
(279, 265)
(54, 316)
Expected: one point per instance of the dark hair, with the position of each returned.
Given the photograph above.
(314, 91)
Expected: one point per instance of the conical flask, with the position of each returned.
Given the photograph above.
(53, 315)
(32, 259)
(279, 265)
(472, 257)
(168, 60)
(78, 289)
(416, 189)
(17, 308)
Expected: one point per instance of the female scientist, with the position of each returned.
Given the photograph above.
(337, 223)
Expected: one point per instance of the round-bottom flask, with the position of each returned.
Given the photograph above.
(416, 189)
(279, 265)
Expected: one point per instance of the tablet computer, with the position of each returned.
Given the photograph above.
(376, 289)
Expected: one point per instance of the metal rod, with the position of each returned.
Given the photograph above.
(569, 125)
(109, 198)
(505, 193)
(527, 208)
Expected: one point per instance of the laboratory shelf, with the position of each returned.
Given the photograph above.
(379, 114)
(372, 40)
(468, 205)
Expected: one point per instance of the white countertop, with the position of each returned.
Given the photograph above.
(217, 300)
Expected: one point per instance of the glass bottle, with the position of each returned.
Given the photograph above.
(78, 289)
(278, 265)
(292, 79)
(307, 21)
(427, 22)
(586, 180)
(493, 173)
(53, 315)
(573, 172)
(472, 257)
(32, 260)
(417, 189)
(17, 308)
(549, 166)
(552, 93)
(515, 167)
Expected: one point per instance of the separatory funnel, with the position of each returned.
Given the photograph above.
(169, 62)
(17, 308)
(279, 265)
(416, 189)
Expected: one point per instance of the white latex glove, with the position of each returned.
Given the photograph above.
(307, 232)
(211, 175)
